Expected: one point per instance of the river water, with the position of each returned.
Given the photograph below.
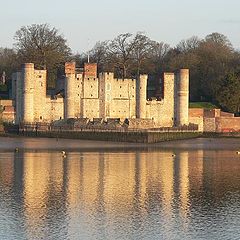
(178, 190)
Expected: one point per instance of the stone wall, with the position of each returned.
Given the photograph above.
(162, 111)
(196, 112)
(213, 120)
(8, 114)
(90, 70)
(54, 109)
(228, 124)
(7, 103)
(210, 113)
(209, 124)
(117, 97)
(40, 87)
(199, 121)
(140, 123)
(86, 96)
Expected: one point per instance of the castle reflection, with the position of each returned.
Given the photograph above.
(96, 185)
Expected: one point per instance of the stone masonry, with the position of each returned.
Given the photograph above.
(87, 96)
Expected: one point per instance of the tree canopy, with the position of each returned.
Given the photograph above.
(42, 45)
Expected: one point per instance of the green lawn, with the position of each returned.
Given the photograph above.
(206, 105)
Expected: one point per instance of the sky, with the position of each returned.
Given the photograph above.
(84, 22)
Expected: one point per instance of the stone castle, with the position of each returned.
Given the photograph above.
(86, 95)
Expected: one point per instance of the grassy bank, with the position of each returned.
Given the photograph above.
(206, 105)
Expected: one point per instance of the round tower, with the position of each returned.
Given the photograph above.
(183, 97)
(28, 92)
(69, 102)
(141, 96)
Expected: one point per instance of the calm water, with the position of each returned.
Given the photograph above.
(143, 193)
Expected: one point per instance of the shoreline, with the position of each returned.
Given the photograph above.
(26, 144)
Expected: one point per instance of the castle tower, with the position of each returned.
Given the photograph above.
(40, 87)
(105, 94)
(69, 101)
(28, 92)
(141, 96)
(182, 97)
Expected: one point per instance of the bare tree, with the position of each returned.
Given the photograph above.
(98, 54)
(189, 44)
(120, 51)
(219, 39)
(142, 46)
(158, 53)
(42, 45)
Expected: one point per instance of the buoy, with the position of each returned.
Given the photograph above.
(173, 155)
(237, 152)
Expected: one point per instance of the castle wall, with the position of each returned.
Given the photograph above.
(163, 111)
(228, 124)
(90, 108)
(106, 94)
(7, 103)
(78, 95)
(87, 96)
(90, 100)
(90, 70)
(122, 102)
(54, 109)
(196, 117)
(70, 90)
(117, 97)
(103, 77)
(28, 92)
(40, 86)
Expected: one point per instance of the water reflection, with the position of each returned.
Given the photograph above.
(125, 195)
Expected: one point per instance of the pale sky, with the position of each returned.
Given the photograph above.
(84, 22)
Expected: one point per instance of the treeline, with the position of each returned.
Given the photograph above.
(213, 62)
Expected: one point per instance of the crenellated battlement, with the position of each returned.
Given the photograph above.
(83, 94)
